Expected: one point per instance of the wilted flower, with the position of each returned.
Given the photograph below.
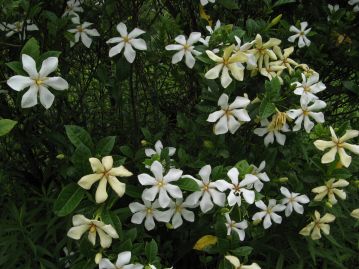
(237, 265)
(185, 48)
(38, 82)
(238, 227)
(318, 224)
(331, 190)
(292, 201)
(127, 41)
(83, 224)
(82, 32)
(309, 88)
(122, 262)
(268, 212)
(272, 70)
(161, 184)
(105, 172)
(284, 59)
(338, 145)
(301, 34)
(230, 116)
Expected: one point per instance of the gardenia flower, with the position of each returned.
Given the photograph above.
(273, 70)
(148, 211)
(237, 264)
(355, 213)
(303, 40)
(38, 82)
(205, 41)
(185, 48)
(83, 224)
(318, 224)
(228, 62)
(178, 210)
(260, 49)
(105, 172)
(354, 3)
(205, 2)
(161, 184)
(261, 176)
(284, 59)
(237, 188)
(272, 129)
(309, 88)
(251, 59)
(208, 193)
(338, 145)
(82, 32)
(72, 7)
(17, 28)
(122, 262)
(293, 200)
(238, 227)
(333, 9)
(268, 212)
(230, 116)
(331, 189)
(158, 149)
(305, 113)
(127, 41)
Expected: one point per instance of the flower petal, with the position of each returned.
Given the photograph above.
(29, 65)
(87, 181)
(19, 83)
(29, 99)
(46, 97)
(101, 193)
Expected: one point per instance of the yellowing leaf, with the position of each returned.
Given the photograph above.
(204, 15)
(205, 241)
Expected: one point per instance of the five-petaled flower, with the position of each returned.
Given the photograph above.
(268, 212)
(82, 224)
(230, 116)
(338, 145)
(331, 190)
(127, 41)
(105, 172)
(301, 34)
(122, 262)
(237, 227)
(292, 201)
(38, 82)
(318, 224)
(82, 32)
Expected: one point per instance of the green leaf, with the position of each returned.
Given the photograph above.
(243, 167)
(51, 53)
(230, 4)
(31, 48)
(78, 136)
(6, 126)
(244, 251)
(187, 184)
(105, 145)
(266, 109)
(16, 67)
(123, 69)
(280, 262)
(81, 155)
(127, 151)
(151, 250)
(272, 89)
(283, 2)
(69, 198)
(133, 191)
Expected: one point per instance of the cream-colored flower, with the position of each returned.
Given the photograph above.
(105, 172)
(237, 264)
(318, 224)
(331, 189)
(228, 62)
(83, 224)
(272, 70)
(355, 213)
(284, 59)
(338, 145)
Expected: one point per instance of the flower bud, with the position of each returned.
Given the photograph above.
(98, 257)
(208, 144)
(60, 156)
(276, 20)
(144, 142)
(169, 226)
(257, 221)
(328, 204)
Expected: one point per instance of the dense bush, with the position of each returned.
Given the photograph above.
(245, 94)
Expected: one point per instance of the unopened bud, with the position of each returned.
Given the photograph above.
(224, 210)
(283, 179)
(169, 226)
(208, 144)
(276, 20)
(60, 156)
(328, 204)
(339, 164)
(256, 100)
(144, 142)
(257, 221)
(98, 258)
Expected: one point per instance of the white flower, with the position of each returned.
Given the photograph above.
(149, 211)
(238, 227)
(237, 264)
(72, 7)
(338, 145)
(17, 27)
(228, 62)
(161, 184)
(318, 224)
(261, 176)
(268, 212)
(355, 213)
(354, 3)
(205, 2)
(38, 82)
(333, 9)
(127, 41)
(178, 210)
(293, 200)
(331, 189)
(205, 41)
(237, 188)
(260, 49)
(272, 131)
(309, 88)
(82, 31)
(105, 172)
(208, 193)
(158, 149)
(230, 116)
(305, 113)
(303, 40)
(82, 225)
(284, 59)
(251, 59)
(122, 262)
(185, 48)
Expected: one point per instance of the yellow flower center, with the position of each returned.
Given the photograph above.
(205, 187)
(178, 208)
(39, 82)
(80, 29)
(92, 228)
(305, 112)
(161, 183)
(186, 46)
(149, 211)
(301, 33)
(126, 39)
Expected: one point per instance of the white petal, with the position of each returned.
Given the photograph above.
(138, 217)
(214, 72)
(267, 222)
(130, 53)
(221, 127)
(29, 65)
(225, 78)
(181, 39)
(57, 83)
(219, 198)
(149, 223)
(173, 175)
(189, 59)
(87, 181)
(136, 32)
(122, 29)
(233, 124)
(116, 49)
(86, 40)
(101, 193)
(174, 191)
(146, 179)
(135, 207)
(139, 44)
(19, 83)
(248, 195)
(106, 264)
(78, 231)
(329, 156)
(150, 194)
(157, 170)
(213, 117)
(117, 186)
(29, 99)
(177, 57)
(205, 173)
(193, 38)
(206, 203)
(177, 220)
(276, 218)
(174, 47)
(123, 258)
(48, 66)
(105, 239)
